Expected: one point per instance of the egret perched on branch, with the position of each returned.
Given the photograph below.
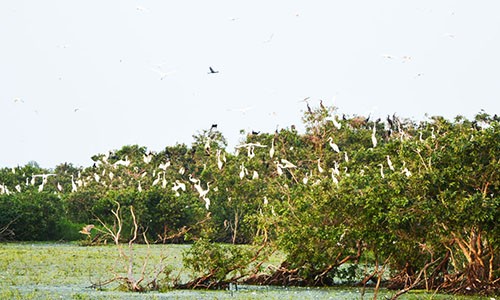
(333, 145)
(271, 151)
(279, 169)
(389, 162)
(73, 185)
(381, 170)
(405, 170)
(374, 138)
(320, 169)
(164, 166)
(202, 193)
(243, 171)
(335, 122)
(147, 158)
(123, 162)
(219, 161)
(334, 179)
(157, 180)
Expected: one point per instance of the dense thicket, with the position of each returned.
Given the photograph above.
(418, 199)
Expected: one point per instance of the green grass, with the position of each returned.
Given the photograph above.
(65, 271)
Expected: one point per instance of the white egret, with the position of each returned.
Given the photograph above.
(305, 180)
(97, 177)
(381, 170)
(389, 162)
(265, 201)
(251, 153)
(335, 169)
(279, 168)
(405, 170)
(320, 169)
(18, 188)
(345, 172)
(334, 146)
(287, 164)
(178, 185)
(271, 151)
(40, 187)
(147, 158)
(164, 181)
(207, 202)
(73, 185)
(334, 121)
(346, 158)
(374, 138)
(164, 166)
(219, 161)
(59, 187)
(202, 193)
(207, 146)
(182, 171)
(243, 171)
(192, 179)
(334, 179)
(255, 175)
(139, 187)
(123, 162)
(157, 180)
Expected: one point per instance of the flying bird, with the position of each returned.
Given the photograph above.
(212, 71)
(86, 229)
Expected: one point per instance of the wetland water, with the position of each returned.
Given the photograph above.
(65, 271)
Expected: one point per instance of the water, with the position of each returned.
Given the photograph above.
(65, 271)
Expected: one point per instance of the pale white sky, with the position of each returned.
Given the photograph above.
(101, 59)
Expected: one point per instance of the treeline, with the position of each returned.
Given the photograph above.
(418, 202)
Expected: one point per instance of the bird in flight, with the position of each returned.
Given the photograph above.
(212, 71)
(86, 229)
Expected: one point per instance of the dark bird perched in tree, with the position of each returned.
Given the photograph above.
(321, 105)
(212, 71)
(309, 108)
(389, 121)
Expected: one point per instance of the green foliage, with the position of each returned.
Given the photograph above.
(33, 215)
(426, 194)
(217, 262)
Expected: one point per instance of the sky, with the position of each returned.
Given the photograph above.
(78, 78)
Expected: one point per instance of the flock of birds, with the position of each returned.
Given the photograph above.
(117, 173)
